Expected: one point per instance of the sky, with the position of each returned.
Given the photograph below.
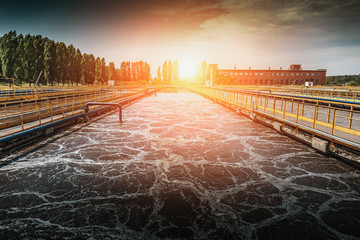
(247, 33)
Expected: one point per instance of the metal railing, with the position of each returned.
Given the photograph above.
(23, 94)
(325, 93)
(17, 116)
(328, 119)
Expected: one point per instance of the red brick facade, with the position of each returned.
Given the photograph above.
(294, 76)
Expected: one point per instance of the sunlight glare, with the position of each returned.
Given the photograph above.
(187, 69)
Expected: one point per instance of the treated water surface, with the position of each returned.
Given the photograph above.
(179, 166)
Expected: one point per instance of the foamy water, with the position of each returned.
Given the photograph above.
(180, 166)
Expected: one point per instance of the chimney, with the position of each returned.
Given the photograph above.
(269, 68)
(280, 68)
(249, 68)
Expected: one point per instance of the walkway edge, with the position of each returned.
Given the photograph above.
(18, 139)
(299, 133)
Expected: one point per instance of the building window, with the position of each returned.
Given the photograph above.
(312, 74)
(282, 74)
(256, 73)
(297, 74)
(318, 74)
(246, 73)
(292, 74)
(307, 74)
(261, 74)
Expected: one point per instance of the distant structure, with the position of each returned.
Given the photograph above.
(210, 74)
(295, 75)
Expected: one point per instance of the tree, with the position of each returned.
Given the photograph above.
(128, 71)
(98, 69)
(19, 60)
(91, 69)
(147, 74)
(77, 67)
(164, 72)
(88, 67)
(176, 71)
(118, 75)
(8, 46)
(1, 50)
(104, 75)
(123, 71)
(112, 71)
(29, 59)
(170, 72)
(38, 43)
(84, 65)
(159, 74)
(70, 62)
(25, 57)
(133, 72)
(50, 68)
(61, 64)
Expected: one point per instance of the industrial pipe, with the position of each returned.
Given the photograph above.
(105, 104)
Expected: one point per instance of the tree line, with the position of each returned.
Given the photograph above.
(169, 72)
(352, 80)
(24, 57)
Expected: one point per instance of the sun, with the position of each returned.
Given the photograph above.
(187, 69)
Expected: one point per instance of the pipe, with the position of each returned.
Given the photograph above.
(151, 88)
(105, 104)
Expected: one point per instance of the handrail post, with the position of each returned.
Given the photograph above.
(120, 113)
(334, 123)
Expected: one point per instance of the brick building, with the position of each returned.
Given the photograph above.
(295, 75)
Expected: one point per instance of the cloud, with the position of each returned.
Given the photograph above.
(322, 20)
(223, 31)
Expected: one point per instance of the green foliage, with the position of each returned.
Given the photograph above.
(29, 59)
(351, 80)
(77, 67)
(176, 71)
(25, 57)
(147, 74)
(170, 71)
(19, 60)
(39, 44)
(164, 72)
(91, 70)
(103, 71)
(50, 69)
(8, 52)
(112, 72)
(70, 59)
(158, 76)
(61, 63)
